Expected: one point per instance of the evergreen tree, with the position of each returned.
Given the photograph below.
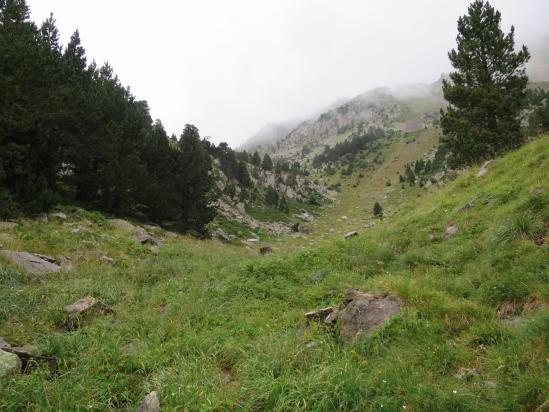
(409, 175)
(256, 159)
(487, 89)
(267, 163)
(378, 210)
(242, 174)
(283, 205)
(271, 196)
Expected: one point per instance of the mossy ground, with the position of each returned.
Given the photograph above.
(212, 326)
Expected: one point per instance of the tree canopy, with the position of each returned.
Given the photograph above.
(70, 131)
(487, 89)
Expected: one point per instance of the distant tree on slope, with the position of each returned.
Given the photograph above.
(267, 163)
(378, 210)
(486, 91)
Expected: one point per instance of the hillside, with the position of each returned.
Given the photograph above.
(404, 109)
(215, 326)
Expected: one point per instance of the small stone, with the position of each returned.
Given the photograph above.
(87, 306)
(10, 364)
(106, 259)
(319, 315)
(491, 384)
(312, 345)
(467, 206)
(43, 218)
(451, 230)
(150, 403)
(252, 240)
(58, 215)
(4, 344)
(484, 169)
(537, 191)
(350, 234)
(466, 373)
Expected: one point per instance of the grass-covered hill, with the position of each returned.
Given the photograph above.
(213, 326)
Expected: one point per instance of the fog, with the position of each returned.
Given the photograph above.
(229, 67)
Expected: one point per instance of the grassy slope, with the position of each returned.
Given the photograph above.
(215, 327)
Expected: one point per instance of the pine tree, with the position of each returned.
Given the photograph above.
(271, 196)
(487, 89)
(378, 210)
(267, 163)
(242, 174)
(283, 205)
(256, 159)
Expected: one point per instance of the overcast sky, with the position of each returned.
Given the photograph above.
(229, 67)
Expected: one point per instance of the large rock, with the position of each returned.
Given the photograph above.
(10, 364)
(32, 263)
(7, 225)
(363, 313)
(150, 403)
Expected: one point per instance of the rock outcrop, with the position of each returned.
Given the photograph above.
(34, 264)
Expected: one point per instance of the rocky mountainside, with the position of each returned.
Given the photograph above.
(406, 109)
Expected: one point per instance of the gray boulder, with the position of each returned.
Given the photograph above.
(150, 403)
(32, 263)
(10, 364)
(363, 313)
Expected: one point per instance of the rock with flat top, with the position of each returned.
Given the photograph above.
(351, 234)
(363, 313)
(85, 307)
(150, 403)
(32, 263)
(10, 364)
